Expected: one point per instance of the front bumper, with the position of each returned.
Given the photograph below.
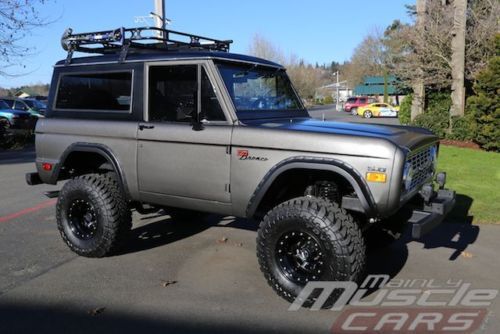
(435, 209)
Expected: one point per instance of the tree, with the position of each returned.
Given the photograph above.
(367, 59)
(484, 106)
(458, 59)
(17, 19)
(425, 58)
(263, 48)
(305, 77)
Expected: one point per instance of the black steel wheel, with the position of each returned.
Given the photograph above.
(300, 256)
(93, 215)
(82, 219)
(309, 239)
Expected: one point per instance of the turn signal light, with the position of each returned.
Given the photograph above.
(47, 166)
(376, 177)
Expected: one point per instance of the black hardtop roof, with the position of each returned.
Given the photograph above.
(168, 55)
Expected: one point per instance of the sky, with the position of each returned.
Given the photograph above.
(315, 30)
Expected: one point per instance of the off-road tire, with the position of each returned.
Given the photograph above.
(334, 229)
(112, 214)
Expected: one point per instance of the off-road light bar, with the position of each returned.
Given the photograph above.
(143, 38)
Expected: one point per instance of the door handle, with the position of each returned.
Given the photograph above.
(146, 126)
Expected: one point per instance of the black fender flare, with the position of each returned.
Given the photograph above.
(100, 149)
(327, 164)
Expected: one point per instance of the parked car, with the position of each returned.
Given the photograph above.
(32, 106)
(353, 103)
(378, 110)
(15, 119)
(202, 132)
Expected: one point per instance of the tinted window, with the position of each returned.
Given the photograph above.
(10, 103)
(20, 106)
(351, 100)
(99, 91)
(362, 100)
(3, 105)
(173, 95)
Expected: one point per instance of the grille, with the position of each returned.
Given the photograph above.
(422, 163)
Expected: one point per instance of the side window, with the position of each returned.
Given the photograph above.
(95, 91)
(362, 100)
(174, 95)
(10, 103)
(20, 106)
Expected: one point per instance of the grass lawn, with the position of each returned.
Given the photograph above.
(475, 176)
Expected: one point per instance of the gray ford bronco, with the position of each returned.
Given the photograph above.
(162, 120)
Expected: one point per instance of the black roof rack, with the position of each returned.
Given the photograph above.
(143, 38)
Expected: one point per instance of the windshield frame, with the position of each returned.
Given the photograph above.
(300, 112)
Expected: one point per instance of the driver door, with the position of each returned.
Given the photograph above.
(176, 162)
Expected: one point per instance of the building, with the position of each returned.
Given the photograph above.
(374, 86)
(26, 92)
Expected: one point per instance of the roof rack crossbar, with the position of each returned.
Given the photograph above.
(122, 39)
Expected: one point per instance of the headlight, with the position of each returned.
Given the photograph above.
(407, 175)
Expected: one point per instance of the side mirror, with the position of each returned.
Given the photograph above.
(196, 121)
(197, 124)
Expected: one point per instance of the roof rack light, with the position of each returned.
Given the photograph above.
(121, 40)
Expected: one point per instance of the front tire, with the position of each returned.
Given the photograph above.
(93, 216)
(309, 239)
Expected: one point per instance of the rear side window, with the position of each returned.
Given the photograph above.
(10, 103)
(95, 91)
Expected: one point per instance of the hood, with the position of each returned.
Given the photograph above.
(404, 136)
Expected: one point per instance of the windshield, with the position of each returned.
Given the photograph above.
(255, 89)
(4, 105)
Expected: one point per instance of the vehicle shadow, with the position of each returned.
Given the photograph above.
(17, 156)
(161, 232)
(457, 232)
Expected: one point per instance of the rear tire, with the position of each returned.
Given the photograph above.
(354, 111)
(367, 114)
(309, 239)
(93, 216)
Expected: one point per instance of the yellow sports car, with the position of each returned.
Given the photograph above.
(378, 110)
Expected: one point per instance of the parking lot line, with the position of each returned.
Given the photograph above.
(23, 212)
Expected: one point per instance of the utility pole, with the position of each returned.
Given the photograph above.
(159, 15)
(337, 104)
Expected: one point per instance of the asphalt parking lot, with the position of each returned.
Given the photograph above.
(189, 277)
